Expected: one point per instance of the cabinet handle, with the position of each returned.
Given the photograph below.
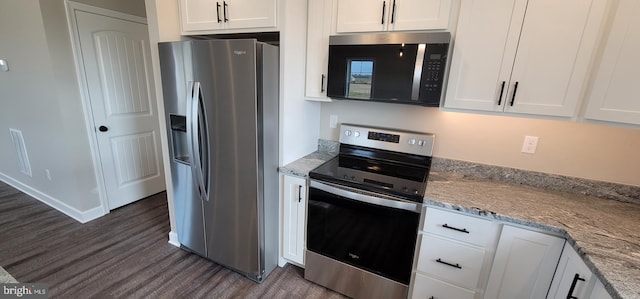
(449, 264)
(573, 286)
(513, 97)
(218, 11)
(384, 6)
(322, 83)
(226, 8)
(462, 230)
(393, 11)
(432, 297)
(501, 92)
(299, 193)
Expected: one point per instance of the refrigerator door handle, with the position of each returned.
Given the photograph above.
(193, 118)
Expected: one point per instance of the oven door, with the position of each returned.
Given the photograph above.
(376, 234)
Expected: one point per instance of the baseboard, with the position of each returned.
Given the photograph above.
(173, 239)
(72, 212)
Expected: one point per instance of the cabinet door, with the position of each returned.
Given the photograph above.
(419, 14)
(555, 49)
(615, 88)
(571, 271)
(524, 264)
(483, 52)
(427, 287)
(318, 30)
(362, 15)
(201, 15)
(295, 201)
(250, 13)
(554, 42)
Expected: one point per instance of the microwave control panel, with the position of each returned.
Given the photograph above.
(433, 68)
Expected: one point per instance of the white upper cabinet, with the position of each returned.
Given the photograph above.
(614, 94)
(392, 15)
(319, 16)
(211, 15)
(523, 56)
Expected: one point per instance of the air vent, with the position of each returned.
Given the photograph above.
(21, 151)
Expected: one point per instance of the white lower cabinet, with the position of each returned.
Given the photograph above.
(294, 203)
(572, 278)
(453, 255)
(524, 264)
(430, 288)
(450, 260)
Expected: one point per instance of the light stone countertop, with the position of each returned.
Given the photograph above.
(605, 232)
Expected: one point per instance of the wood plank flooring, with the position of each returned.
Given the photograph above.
(124, 254)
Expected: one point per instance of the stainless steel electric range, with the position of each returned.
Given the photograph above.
(364, 209)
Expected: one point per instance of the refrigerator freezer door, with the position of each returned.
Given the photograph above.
(227, 72)
(175, 63)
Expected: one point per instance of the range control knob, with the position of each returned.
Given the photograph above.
(415, 191)
(347, 133)
(412, 141)
(356, 133)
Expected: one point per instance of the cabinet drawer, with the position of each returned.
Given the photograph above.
(460, 227)
(451, 261)
(428, 287)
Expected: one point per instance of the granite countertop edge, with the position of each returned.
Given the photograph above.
(302, 166)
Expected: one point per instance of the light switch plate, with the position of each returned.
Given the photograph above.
(4, 66)
(530, 144)
(333, 121)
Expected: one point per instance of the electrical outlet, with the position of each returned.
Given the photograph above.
(48, 173)
(333, 121)
(530, 144)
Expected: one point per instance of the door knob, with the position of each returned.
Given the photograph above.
(103, 129)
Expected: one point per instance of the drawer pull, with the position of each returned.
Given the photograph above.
(462, 230)
(573, 286)
(449, 264)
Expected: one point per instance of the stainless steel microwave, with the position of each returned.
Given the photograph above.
(406, 68)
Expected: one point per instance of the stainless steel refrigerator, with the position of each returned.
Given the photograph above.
(221, 105)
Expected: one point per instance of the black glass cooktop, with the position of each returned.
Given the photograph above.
(391, 173)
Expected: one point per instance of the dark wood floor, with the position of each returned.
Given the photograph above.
(124, 254)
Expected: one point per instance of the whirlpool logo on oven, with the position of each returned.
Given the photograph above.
(353, 256)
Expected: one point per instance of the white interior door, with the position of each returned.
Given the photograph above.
(117, 63)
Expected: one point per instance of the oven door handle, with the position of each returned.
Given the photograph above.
(344, 192)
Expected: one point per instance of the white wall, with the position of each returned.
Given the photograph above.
(41, 98)
(163, 23)
(589, 151)
(299, 118)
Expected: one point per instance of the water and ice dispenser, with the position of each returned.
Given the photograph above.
(179, 139)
